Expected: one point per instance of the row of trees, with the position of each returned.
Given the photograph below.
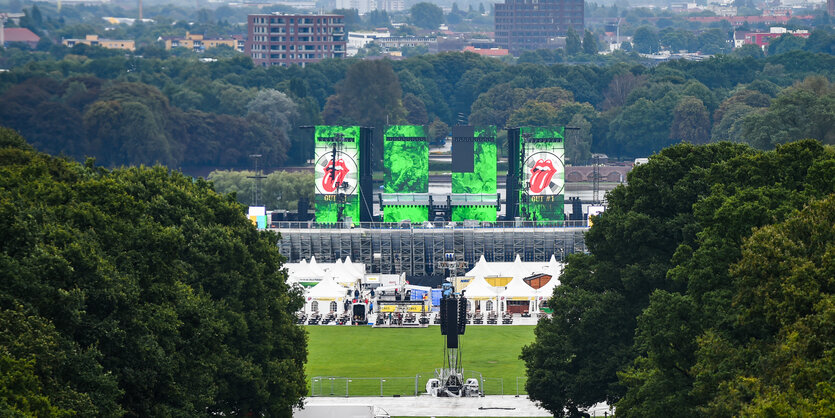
(138, 292)
(186, 113)
(707, 291)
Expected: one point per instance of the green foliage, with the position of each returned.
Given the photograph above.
(574, 361)
(572, 42)
(139, 292)
(426, 15)
(700, 315)
(645, 40)
(279, 190)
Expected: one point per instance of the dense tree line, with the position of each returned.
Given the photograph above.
(186, 113)
(708, 290)
(138, 292)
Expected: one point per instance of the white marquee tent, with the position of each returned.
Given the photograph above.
(322, 296)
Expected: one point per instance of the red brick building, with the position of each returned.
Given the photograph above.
(282, 39)
(533, 24)
(20, 35)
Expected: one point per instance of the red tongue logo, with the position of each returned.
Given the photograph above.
(334, 174)
(541, 175)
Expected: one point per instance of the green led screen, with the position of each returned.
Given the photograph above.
(337, 173)
(474, 157)
(406, 171)
(541, 197)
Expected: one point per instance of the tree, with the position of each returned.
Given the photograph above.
(117, 302)
(645, 40)
(705, 344)
(590, 43)
(275, 109)
(438, 130)
(785, 43)
(572, 42)
(748, 50)
(533, 113)
(619, 88)
(415, 110)
(426, 15)
(691, 121)
(574, 360)
(578, 141)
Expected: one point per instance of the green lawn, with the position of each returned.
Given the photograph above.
(365, 352)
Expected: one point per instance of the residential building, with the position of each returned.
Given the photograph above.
(284, 39)
(533, 24)
(200, 43)
(358, 40)
(93, 40)
(487, 52)
(20, 35)
(762, 39)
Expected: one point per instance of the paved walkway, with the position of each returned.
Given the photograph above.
(427, 406)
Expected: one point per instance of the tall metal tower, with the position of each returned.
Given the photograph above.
(256, 191)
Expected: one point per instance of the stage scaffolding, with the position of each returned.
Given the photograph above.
(394, 249)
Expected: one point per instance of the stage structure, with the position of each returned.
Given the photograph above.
(536, 173)
(406, 176)
(449, 380)
(474, 194)
(343, 174)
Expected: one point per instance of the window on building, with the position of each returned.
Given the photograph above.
(314, 306)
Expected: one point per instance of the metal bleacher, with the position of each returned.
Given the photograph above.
(390, 248)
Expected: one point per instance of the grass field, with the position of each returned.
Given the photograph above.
(365, 352)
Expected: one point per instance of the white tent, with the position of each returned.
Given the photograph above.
(345, 277)
(323, 294)
(517, 292)
(359, 268)
(480, 294)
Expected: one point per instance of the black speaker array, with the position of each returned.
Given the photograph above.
(462, 315)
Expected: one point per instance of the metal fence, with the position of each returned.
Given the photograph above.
(431, 225)
(337, 386)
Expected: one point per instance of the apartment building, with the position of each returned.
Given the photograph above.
(201, 43)
(286, 39)
(93, 40)
(522, 25)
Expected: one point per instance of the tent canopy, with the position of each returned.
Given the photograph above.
(327, 289)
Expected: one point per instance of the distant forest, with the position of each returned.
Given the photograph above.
(188, 114)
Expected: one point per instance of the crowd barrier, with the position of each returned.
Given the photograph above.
(337, 386)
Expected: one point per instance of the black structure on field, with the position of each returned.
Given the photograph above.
(365, 181)
(453, 323)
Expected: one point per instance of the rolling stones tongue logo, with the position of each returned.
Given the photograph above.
(334, 175)
(541, 175)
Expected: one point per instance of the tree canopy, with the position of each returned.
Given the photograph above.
(703, 309)
(138, 292)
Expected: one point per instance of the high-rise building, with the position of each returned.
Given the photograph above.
(534, 24)
(283, 39)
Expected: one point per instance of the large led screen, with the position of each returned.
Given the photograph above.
(543, 173)
(337, 173)
(406, 173)
(474, 156)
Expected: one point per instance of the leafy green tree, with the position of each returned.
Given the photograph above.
(578, 140)
(533, 113)
(426, 15)
(415, 110)
(140, 292)
(574, 360)
(573, 45)
(691, 121)
(590, 45)
(785, 43)
(748, 50)
(705, 343)
(806, 110)
(438, 130)
(645, 40)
